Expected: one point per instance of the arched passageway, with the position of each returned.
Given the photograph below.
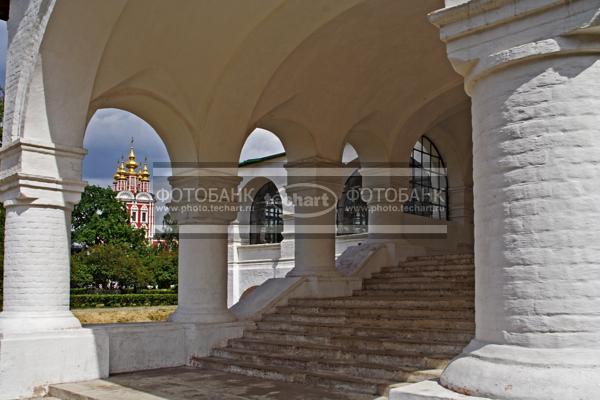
(370, 73)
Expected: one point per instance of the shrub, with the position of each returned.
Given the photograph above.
(157, 291)
(122, 300)
(107, 264)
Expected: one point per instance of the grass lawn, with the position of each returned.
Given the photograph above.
(123, 314)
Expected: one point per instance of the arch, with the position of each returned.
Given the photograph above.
(51, 94)
(428, 181)
(446, 120)
(369, 147)
(260, 144)
(173, 130)
(228, 90)
(349, 154)
(266, 222)
(352, 214)
(248, 191)
(458, 154)
(297, 140)
(424, 119)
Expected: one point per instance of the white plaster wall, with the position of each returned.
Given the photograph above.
(135, 347)
(30, 362)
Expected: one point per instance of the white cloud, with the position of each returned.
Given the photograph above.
(261, 143)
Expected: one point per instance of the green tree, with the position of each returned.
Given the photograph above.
(110, 266)
(101, 218)
(170, 234)
(162, 267)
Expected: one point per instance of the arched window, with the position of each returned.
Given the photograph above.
(352, 211)
(428, 182)
(266, 223)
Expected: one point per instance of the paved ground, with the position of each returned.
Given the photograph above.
(191, 384)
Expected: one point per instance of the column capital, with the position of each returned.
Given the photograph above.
(40, 174)
(314, 163)
(483, 36)
(204, 197)
(311, 174)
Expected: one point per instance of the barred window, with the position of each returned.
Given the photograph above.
(352, 212)
(428, 182)
(266, 223)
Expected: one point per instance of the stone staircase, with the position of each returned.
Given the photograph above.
(404, 325)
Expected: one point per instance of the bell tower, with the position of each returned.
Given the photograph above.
(131, 182)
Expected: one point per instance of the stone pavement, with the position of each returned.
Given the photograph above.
(188, 384)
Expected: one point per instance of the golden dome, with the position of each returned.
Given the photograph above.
(144, 173)
(131, 164)
(122, 171)
(120, 174)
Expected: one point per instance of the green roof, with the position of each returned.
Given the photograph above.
(261, 159)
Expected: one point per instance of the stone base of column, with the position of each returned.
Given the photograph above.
(515, 372)
(30, 362)
(200, 316)
(17, 322)
(428, 390)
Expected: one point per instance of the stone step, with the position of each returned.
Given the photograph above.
(416, 293)
(400, 274)
(396, 357)
(358, 388)
(373, 371)
(386, 301)
(379, 284)
(354, 342)
(443, 257)
(431, 335)
(404, 325)
(396, 323)
(467, 278)
(463, 266)
(297, 362)
(378, 312)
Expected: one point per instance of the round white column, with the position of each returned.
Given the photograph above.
(535, 88)
(36, 270)
(314, 248)
(202, 281)
(204, 208)
(383, 191)
(287, 245)
(39, 186)
(313, 190)
(536, 146)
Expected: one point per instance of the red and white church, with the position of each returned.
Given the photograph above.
(133, 188)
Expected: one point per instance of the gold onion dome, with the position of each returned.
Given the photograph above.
(116, 176)
(144, 173)
(120, 174)
(121, 171)
(131, 164)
